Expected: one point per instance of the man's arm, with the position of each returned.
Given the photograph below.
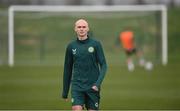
(102, 64)
(68, 63)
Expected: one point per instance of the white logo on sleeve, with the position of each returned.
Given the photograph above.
(91, 49)
(74, 51)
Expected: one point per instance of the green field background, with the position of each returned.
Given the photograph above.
(41, 38)
(39, 87)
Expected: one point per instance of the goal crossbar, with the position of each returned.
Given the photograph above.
(36, 8)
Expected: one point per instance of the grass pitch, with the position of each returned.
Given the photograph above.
(31, 87)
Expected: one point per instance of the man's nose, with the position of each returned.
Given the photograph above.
(81, 28)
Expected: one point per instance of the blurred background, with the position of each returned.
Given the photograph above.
(171, 3)
(40, 39)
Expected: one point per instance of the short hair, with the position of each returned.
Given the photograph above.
(81, 20)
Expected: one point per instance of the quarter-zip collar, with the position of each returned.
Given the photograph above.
(83, 41)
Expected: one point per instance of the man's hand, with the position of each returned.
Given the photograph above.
(65, 99)
(95, 88)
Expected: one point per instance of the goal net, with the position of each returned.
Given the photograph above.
(38, 35)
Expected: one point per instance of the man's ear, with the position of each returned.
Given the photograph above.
(87, 28)
(75, 29)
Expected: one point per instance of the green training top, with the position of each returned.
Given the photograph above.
(84, 65)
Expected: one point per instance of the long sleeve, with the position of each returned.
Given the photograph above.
(68, 64)
(102, 64)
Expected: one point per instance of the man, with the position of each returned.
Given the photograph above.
(84, 68)
(126, 37)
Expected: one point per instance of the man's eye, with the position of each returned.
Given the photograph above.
(81, 27)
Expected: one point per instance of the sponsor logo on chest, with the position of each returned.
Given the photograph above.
(74, 51)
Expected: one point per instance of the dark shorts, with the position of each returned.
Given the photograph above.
(89, 98)
(130, 52)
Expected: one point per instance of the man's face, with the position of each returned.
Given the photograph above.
(81, 28)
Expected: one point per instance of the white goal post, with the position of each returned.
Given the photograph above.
(22, 8)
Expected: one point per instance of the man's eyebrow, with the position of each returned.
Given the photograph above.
(81, 26)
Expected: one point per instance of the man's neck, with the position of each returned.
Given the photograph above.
(82, 38)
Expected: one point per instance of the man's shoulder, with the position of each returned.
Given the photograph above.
(72, 42)
(95, 41)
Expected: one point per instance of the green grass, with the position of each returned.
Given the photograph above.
(31, 87)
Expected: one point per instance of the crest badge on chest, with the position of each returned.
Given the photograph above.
(91, 49)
